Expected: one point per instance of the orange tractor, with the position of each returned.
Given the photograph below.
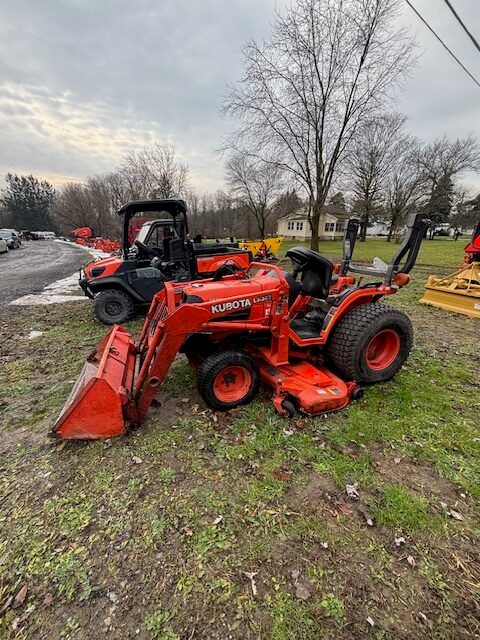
(314, 335)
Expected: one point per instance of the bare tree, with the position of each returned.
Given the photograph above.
(328, 66)
(369, 161)
(444, 158)
(155, 172)
(405, 184)
(441, 162)
(255, 185)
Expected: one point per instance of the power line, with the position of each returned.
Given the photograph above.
(470, 35)
(442, 43)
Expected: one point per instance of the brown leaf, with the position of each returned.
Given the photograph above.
(60, 447)
(48, 599)
(20, 597)
(456, 515)
(345, 509)
(185, 400)
(6, 604)
(282, 475)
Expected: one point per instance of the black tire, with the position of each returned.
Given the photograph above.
(353, 335)
(208, 379)
(289, 407)
(112, 306)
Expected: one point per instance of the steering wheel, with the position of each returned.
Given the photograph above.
(227, 268)
(145, 249)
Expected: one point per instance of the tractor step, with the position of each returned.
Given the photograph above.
(94, 408)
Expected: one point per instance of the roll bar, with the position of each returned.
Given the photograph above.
(174, 206)
(349, 239)
(416, 225)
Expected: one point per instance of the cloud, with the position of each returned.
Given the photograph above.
(83, 81)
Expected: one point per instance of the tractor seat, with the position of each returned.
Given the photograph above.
(316, 271)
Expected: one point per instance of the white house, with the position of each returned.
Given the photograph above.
(379, 228)
(295, 226)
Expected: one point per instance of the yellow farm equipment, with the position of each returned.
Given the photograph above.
(267, 248)
(460, 291)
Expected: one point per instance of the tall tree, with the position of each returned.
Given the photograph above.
(466, 212)
(369, 161)
(27, 202)
(439, 205)
(155, 172)
(405, 184)
(441, 162)
(255, 185)
(328, 65)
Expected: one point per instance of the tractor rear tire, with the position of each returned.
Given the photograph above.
(112, 306)
(371, 343)
(227, 379)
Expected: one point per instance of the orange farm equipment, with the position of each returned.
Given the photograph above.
(86, 237)
(314, 335)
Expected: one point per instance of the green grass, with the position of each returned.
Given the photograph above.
(249, 492)
(441, 252)
(402, 510)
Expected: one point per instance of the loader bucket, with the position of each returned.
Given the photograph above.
(458, 292)
(95, 406)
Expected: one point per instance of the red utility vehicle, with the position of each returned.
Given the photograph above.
(152, 253)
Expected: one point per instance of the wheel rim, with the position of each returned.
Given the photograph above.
(382, 349)
(232, 384)
(113, 308)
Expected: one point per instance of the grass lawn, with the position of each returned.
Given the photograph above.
(238, 525)
(442, 252)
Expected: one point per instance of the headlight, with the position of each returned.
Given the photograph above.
(96, 271)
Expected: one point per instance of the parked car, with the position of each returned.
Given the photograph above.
(3, 246)
(11, 237)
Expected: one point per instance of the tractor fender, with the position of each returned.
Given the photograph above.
(113, 282)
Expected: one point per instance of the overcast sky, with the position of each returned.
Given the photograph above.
(82, 81)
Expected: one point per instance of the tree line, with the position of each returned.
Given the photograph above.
(313, 122)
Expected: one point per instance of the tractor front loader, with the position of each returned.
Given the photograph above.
(314, 335)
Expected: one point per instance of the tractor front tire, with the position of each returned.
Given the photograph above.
(112, 306)
(227, 379)
(371, 343)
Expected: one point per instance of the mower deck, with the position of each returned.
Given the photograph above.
(314, 388)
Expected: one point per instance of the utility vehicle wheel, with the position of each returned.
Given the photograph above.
(371, 343)
(227, 379)
(113, 306)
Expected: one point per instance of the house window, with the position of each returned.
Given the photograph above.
(329, 226)
(340, 226)
(290, 225)
(299, 226)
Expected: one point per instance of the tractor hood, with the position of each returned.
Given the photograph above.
(228, 288)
